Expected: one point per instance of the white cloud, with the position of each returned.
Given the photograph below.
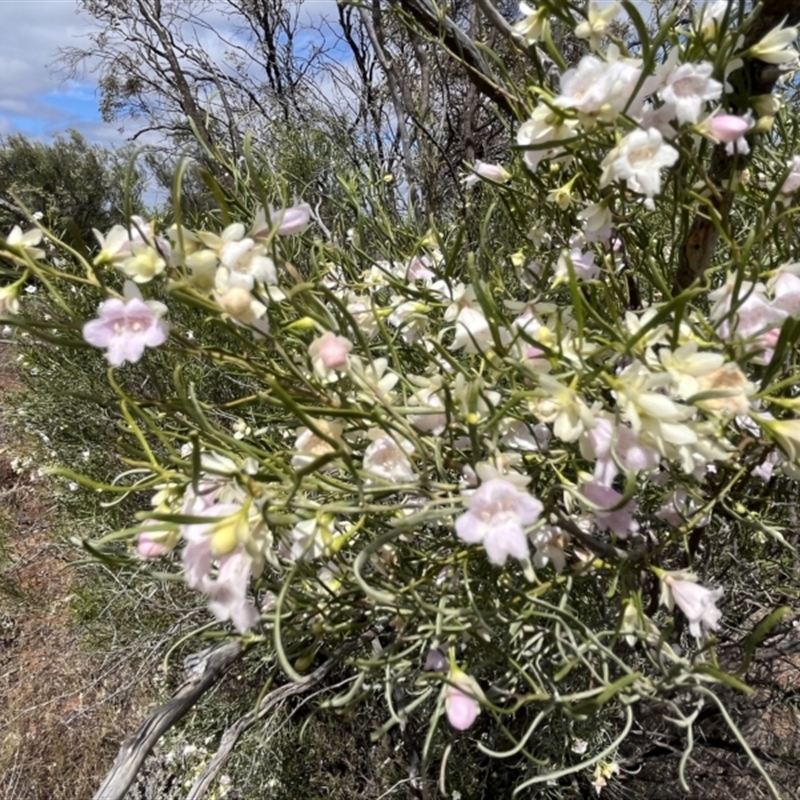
(35, 98)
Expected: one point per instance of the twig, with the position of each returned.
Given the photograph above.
(135, 749)
(275, 698)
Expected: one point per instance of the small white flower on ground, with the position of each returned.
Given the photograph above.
(638, 160)
(498, 513)
(126, 327)
(697, 602)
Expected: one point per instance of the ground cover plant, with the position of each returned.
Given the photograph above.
(523, 478)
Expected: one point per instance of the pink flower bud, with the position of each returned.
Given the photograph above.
(729, 127)
(147, 547)
(462, 710)
(462, 699)
(292, 220)
(329, 353)
(333, 352)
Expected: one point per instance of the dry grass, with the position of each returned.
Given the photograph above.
(65, 708)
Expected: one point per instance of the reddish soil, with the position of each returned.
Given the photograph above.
(64, 708)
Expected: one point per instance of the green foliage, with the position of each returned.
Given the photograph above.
(76, 186)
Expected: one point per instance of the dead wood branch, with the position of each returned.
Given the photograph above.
(135, 749)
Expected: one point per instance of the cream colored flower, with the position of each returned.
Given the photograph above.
(595, 27)
(777, 46)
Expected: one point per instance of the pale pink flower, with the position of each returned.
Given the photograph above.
(435, 661)
(638, 160)
(615, 445)
(126, 327)
(729, 127)
(292, 220)
(785, 286)
(329, 353)
(490, 172)
(753, 313)
(697, 602)
(606, 515)
(791, 182)
(583, 264)
(462, 699)
(687, 87)
(156, 542)
(498, 513)
(388, 460)
(220, 540)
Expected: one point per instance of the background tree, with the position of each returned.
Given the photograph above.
(74, 185)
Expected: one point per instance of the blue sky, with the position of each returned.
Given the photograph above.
(34, 97)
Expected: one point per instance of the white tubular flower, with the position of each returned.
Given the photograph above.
(653, 416)
(472, 331)
(544, 131)
(375, 380)
(686, 366)
(26, 242)
(687, 87)
(386, 459)
(785, 288)
(531, 28)
(564, 407)
(9, 300)
(428, 397)
(709, 16)
(638, 160)
(597, 222)
(313, 538)
(144, 263)
(600, 88)
(777, 46)
(599, 17)
(239, 303)
(697, 602)
(494, 173)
